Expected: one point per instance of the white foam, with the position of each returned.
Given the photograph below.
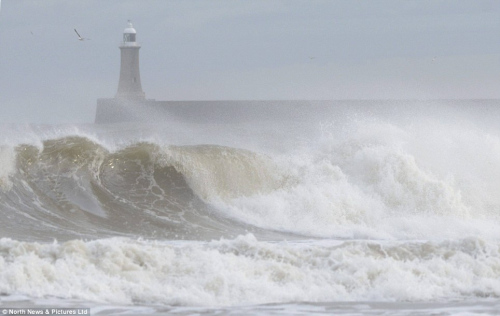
(247, 271)
(372, 183)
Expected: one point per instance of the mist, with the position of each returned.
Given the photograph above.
(236, 50)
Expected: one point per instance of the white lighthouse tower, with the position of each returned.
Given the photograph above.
(129, 86)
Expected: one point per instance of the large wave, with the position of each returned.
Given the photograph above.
(73, 187)
(374, 180)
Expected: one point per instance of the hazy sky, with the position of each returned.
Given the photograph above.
(196, 50)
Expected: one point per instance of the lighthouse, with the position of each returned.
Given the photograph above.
(129, 86)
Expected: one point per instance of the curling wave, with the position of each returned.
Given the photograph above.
(73, 187)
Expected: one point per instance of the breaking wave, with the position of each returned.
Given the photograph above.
(75, 187)
(374, 211)
(360, 186)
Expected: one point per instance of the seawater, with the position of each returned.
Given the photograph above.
(368, 210)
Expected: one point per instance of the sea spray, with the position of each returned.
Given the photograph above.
(7, 166)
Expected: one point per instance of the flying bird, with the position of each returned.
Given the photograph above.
(79, 37)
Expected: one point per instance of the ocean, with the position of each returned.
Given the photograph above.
(373, 209)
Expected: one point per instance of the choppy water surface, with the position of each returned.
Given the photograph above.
(350, 211)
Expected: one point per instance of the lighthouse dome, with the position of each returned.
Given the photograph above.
(130, 29)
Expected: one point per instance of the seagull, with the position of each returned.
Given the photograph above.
(79, 37)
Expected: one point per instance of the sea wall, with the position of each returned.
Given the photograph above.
(116, 110)
(213, 111)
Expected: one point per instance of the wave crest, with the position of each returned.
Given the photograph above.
(73, 185)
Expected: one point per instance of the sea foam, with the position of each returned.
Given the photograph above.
(247, 271)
